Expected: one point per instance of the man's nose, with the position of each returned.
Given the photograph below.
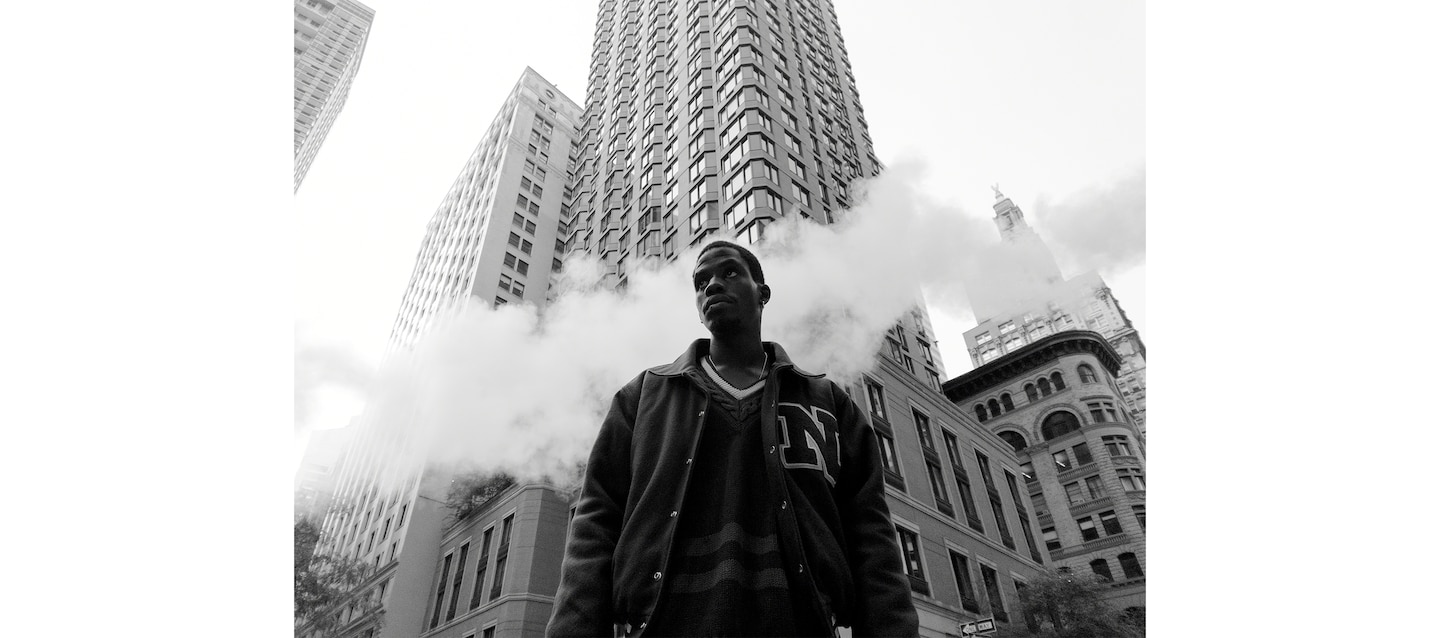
(714, 285)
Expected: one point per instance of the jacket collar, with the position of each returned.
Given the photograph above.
(689, 361)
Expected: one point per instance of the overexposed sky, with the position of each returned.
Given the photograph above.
(1047, 99)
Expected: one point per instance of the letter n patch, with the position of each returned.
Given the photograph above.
(810, 439)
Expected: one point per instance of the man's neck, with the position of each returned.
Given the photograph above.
(744, 354)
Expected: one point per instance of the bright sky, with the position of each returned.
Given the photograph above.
(1046, 98)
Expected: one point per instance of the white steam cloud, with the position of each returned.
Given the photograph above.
(1101, 228)
(509, 390)
(325, 375)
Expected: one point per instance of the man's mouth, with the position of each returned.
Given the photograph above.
(710, 303)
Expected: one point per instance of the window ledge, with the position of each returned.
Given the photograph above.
(1092, 505)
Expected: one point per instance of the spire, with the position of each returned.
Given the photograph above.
(1008, 217)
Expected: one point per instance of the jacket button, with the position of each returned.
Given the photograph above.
(802, 569)
(782, 504)
(687, 461)
(772, 449)
(702, 413)
(674, 514)
(657, 575)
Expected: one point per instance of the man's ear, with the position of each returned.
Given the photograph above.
(764, 294)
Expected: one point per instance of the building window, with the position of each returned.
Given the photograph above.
(1093, 489)
(1102, 412)
(1058, 380)
(922, 427)
(992, 591)
(937, 487)
(482, 563)
(1030, 393)
(980, 412)
(961, 567)
(1082, 454)
(1117, 445)
(1027, 470)
(1130, 565)
(876, 395)
(1059, 424)
(1139, 511)
(459, 580)
(1052, 539)
(1087, 374)
(1087, 529)
(1062, 460)
(1110, 523)
(1014, 439)
(440, 590)
(890, 460)
(1006, 403)
(1131, 480)
(910, 551)
(1044, 385)
(501, 555)
(1101, 567)
(993, 405)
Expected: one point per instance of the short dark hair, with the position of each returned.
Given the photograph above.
(751, 261)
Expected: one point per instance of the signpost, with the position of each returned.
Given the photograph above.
(981, 627)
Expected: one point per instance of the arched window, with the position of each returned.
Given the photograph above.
(1087, 374)
(1101, 567)
(994, 406)
(1131, 566)
(1059, 424)
(1058, 380)
(1044, 387)
(1014, 439)
(1030, 393)
(1006, 403)
(980, 412)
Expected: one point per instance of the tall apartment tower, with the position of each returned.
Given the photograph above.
(494, 235)
(492, 238)
(714, 118)
(1083, 302)
(329, 42)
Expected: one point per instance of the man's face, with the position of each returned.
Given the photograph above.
(726, 296)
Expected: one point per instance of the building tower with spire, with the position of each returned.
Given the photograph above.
(1034, 300)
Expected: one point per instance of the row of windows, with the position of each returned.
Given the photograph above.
(890, 462)
(1034, 391)
(452, 592)
(912, 558)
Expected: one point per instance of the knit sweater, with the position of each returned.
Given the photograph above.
(728, 570)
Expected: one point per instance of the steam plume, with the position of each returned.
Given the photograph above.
(510, 390)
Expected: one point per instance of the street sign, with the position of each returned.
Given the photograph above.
(981, 627)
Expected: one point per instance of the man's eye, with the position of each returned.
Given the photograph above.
(732, 272)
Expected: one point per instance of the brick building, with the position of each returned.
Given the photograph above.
(1058, 405)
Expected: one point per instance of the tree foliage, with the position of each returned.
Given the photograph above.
(1062, 605)
(322, 581)
(471, 491)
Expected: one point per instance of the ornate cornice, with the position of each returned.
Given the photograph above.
(1030, 357)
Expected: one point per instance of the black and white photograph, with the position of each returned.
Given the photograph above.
(655, 318)
(904, 393)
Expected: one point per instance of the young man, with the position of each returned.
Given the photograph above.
(732, 494)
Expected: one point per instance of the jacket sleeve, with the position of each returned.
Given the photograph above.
(584, 601)
(882, 590)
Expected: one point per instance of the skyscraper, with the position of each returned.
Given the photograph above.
(329, 42)
(713, 119)
(494, 235)
(492, 238)
(1051, 304)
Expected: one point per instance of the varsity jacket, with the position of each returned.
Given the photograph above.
(822, 461)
